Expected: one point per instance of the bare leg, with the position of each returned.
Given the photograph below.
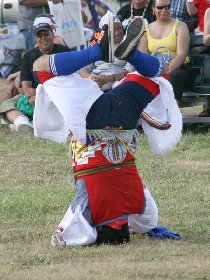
(42, 64)
(12, 115)
(20, 122)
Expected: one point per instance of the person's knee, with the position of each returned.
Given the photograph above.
(42, 64)
(148, 219)
(175, 78)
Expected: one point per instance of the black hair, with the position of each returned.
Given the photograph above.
(108, 235)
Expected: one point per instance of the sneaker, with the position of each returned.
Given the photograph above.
(13, 127)
(102, 39)
(24, 129)
(133, 35)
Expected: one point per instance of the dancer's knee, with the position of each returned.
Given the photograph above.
(148, 220)
(42, 64)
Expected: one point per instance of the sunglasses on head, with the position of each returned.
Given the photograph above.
(161, 7)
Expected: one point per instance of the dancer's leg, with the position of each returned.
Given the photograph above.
(148, 219)
(62, 64)
(67, 63)
(145, 64)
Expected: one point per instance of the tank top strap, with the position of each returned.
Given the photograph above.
(175, 25)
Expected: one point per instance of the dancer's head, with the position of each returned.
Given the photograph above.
(108, 235)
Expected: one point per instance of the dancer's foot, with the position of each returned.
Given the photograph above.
(105, 40)
(133, 35)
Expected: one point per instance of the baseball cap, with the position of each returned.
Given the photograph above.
(42, 23)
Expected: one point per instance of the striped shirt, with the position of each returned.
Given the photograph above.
(179, 10)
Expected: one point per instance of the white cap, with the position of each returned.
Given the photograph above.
(105, 19)
(42, 20)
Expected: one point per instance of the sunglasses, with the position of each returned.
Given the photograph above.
(161, 7)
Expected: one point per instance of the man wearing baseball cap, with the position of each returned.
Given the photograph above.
(43, 31)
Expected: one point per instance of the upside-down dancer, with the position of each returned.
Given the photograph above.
(109, 191)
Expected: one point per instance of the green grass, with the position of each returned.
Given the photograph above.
(36, 187)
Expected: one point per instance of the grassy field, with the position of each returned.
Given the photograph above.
(36, 188)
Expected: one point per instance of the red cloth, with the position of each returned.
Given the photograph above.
(44, 76)
(117, 224)
(202, 6)
(143, 81)
(93, 161)
(111, 193)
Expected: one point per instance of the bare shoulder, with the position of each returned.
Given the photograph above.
(182, 26)
(152, 24)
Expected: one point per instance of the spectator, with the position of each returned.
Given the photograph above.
(49, 19)
(136, 8)
(28, 10)
(43, 32)
(206, 34)
(68, 19)
(107, 74)
(198, 7)
(179, 11)
(206, 41)
(13, 80)
(173, 35)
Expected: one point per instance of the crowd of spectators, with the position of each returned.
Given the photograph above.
(170, 24)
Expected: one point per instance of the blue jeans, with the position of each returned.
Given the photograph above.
(29, 39)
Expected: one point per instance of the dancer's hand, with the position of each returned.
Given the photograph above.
(102, 79)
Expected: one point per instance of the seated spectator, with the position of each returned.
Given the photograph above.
(28, 11)
(198, 7)
(136, 8)
(206, 41)
(13, 80)
(107, 74)
(43, 32)
(179, 11)
(57, 39)
(173, 35)
(206, 34)
(69, 24)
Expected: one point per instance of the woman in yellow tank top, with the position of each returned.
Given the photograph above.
(173, 35)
